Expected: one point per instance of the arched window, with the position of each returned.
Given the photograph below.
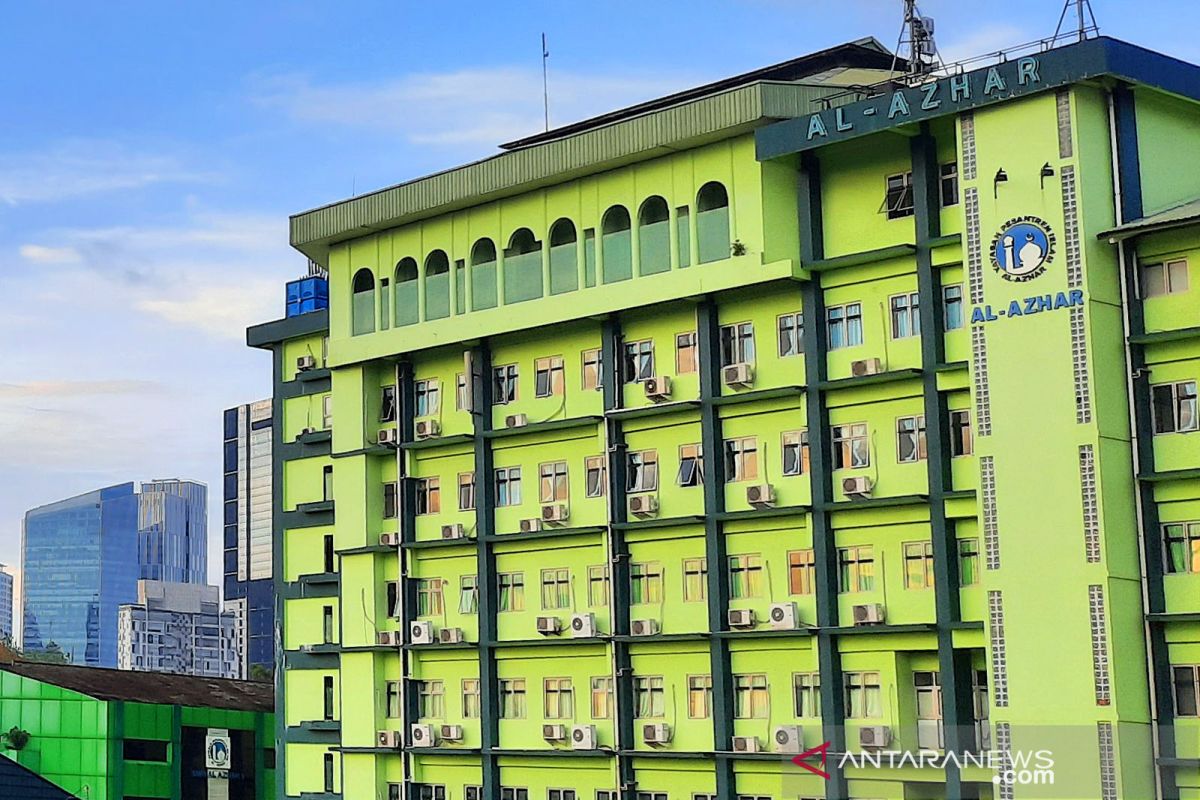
(564, 257)
(437, 285)
(654, 237)
(407, 311)
(483, 275)
(712, 222)
(362, 303)
(522, 267)
(616, 247)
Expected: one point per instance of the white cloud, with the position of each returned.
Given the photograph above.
(39, 254)
(223, 310)
(72, 388)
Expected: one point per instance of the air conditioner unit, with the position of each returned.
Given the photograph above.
(549, 626)
(420, 633)
(741, 618)
(307, 431)
(423, 735)
(389, 539)
(305, 363)
(644, 627)
(451, 636)
(555, 513)
(788, 739)
(656, 733)
(388, 739)
(583, 626)
(858, 486)
(643, 505)
(531, 525)
(868, 614)
(738, 376)
(866, 366)
(783, 617)
(516, 420)
(454, 531)
(308, 648)
(554, 733)
(658, 388)
(388, 638)
(426, 428)
(745, 744)
(583, 737)
(389, 437)
(760, 495)
(874, 736)
(452, 733)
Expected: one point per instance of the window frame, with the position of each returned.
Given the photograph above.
(789, 331)
(920, 445)
(687, 343)
(550, 367)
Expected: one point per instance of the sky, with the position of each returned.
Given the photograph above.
(150, 154)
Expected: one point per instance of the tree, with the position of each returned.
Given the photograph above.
(50, 654)
(16, 739)
(260, 672)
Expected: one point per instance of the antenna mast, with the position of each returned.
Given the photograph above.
(1085, 20)
(916, 43)
(545, 83)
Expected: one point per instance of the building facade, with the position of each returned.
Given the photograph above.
(7, 631)
(82, 557)
(781, 414)
(178, 628)
(248, 575)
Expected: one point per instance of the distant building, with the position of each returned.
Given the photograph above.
(81, 558)
(249, 588)
(179, 628)
(6, 604)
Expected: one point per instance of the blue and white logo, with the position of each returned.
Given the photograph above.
(1023, 248)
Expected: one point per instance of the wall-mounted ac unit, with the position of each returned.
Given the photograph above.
(866, 366)
(451, 636)
(516, 420)
(874, 736)
(554, 733)
(549, 626)
(869, 614)
(423, 735)
(452, 733)
(745, 744)
(426, 428)
(656, 733)
(307, 431)
(783, 617)
(388, 437)
(388, 638)
(741, 618)
(738, 376)
(420, 632)
(658, 388)
(532, 525)
(454, 531)
(308, 648)
(644, 627)
(643, 505)
(760, 495)
(788, 739)
(305, 363)
(858, 486)
(555, 514)
(583, 626)
(583, 737)
(389, 539)
(390, 739)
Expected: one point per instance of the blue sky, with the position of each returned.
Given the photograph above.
(151, 152)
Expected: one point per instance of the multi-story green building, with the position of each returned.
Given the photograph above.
(799, 408)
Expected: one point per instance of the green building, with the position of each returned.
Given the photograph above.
(105, 734)
(804, 408)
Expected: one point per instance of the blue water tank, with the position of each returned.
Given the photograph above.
(306, 295)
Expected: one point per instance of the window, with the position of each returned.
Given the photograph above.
(512, 591)
(391, 700)
(806, 693)
(863, 695)
(899, 200)
(1183, 547)
(968, 562)
(737, 344)
(952, 306)
(508, 486)
(654, 236)
(592, 375)
(362, 303)
(607, 794)
(429, 496)
(1174, 407)
(512, 698)
(602, 697)
(326, 484)
(428, 395)
(850, 447)
(393, 791)
(330, 556)
(918, 565)
(472, 793)
(470, 698)
(712, 223)
(795, 453)
(750, 697)
(949, 184)
(462, 396)
(856, 569)
(595, 475)
(466, 491)
(1186, 682)
(699, 696)
(741, 459)
(745, 576)
(928, 690)
(962, 443)
(429, 597)
(652, 796)
(844, 325)
(639, 361)
(910, 439)
(510, 793)
(648, 696)
(387, 404)
(504, 384)
(468, 594)
(391, 600)
(327, 624)
(560, 794)
(791, 334)
(548, 377)
(686, 354)
(556, 588)
(598, 586)
(328, 767)
(1170, 277)
(695, 579)
(552, 483)
(327, 411)
(390, 500)
(144, 750)
(431, 696)
(558, 698)
(691, 465)
(906, 315)
(642, 471)
(802, 572)
(646, 583)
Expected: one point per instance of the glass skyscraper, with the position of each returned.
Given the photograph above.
(6, 604)
(82, 557)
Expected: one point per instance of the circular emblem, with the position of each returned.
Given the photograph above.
(218, 753)
(1023, 248)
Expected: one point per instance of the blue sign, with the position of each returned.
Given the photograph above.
(1023, 248)
(1028, 306)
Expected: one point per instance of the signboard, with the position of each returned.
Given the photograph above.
(217, 753)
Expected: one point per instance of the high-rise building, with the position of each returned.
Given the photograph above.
(180, 628)
(6, 604)
(820, 407)
(82, 557)
(249, 587)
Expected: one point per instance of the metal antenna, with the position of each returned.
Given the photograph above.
(1083, 13)
(545, 83)
(916, 42)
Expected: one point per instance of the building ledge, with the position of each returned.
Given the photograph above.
(862, 257)
(770, 393)
(442, 751)
(668, 753)
(944, 241)
(766, 633)
(548, 641)
(1162, 337)
(315, 437)
(315, 507)
(654, 410)
(881, 502)
(762, 513)
(369, 450)
(1178, 763)
(658, 522)
(951, 366)
(1170, 475)
(366, 550)
(543, 427)
(1174, 616)
(315, 796)
(545, 533)
(440, 646)
(438, 441)
(695, 636)
(891, 376)
(316, 578)
(310, 375)
(280, 330)
(857, 630)
(556, 752)
(434, 544)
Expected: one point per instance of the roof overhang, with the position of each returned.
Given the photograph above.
(1179, 216)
